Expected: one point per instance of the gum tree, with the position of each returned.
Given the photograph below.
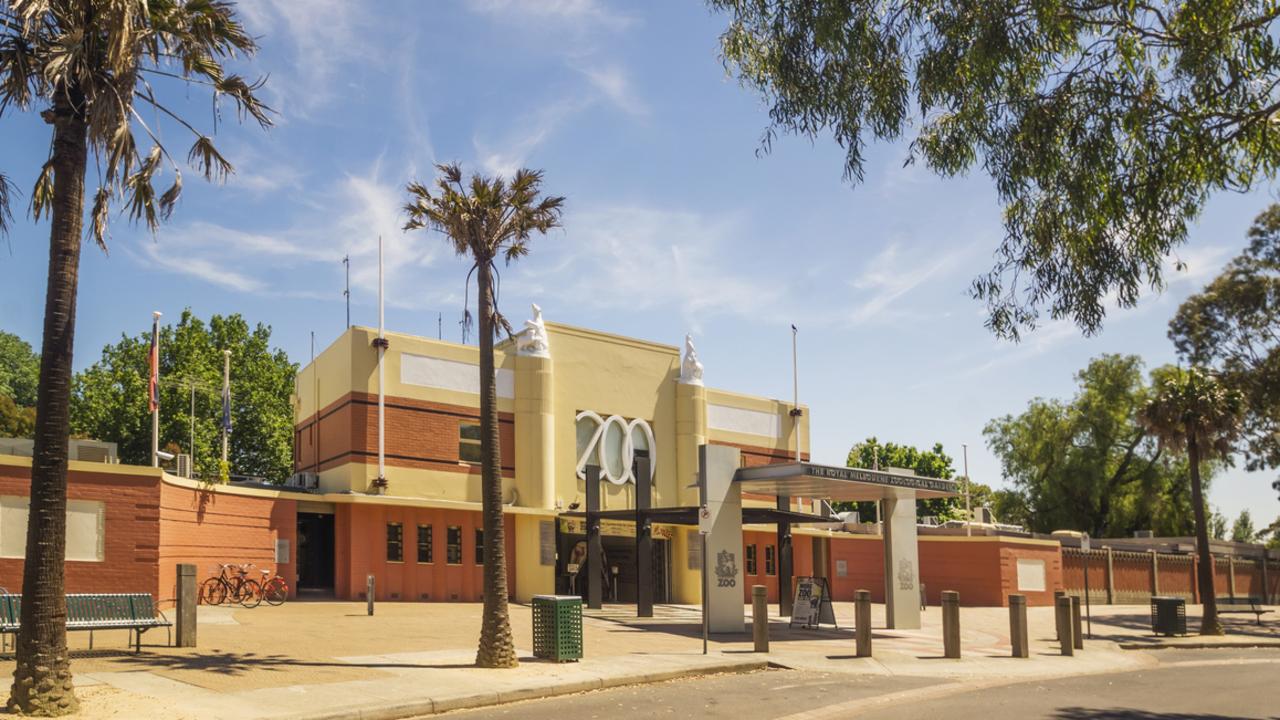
(485, 219)
(1192, 411)
(88, 67)
(1104, 126)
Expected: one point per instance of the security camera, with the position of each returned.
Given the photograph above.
(164, 455)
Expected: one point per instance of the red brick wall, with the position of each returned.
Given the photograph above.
(801, 554)
(419, 434)
(132, 531)
(361, 545)
(208, 528)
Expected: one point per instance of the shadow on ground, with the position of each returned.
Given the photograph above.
(1080, 713)
(234, 664)
(1127, 624)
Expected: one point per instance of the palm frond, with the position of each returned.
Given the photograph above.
(6, 213)
(42, 192)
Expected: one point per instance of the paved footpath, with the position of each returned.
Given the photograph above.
(330, 659)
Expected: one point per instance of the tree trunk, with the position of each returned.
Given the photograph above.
(42, 678)
(497, 649)
(1209, 624)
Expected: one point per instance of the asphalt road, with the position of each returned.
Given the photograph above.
(1187, 685)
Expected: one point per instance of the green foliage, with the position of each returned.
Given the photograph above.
(1242, 530)
(110, 397)
(934, 463)
(19, 370)
(1088, 463)
(1104, 126)
(16, 421)
(1218, 526)
(1233, 326)
(1190, 407)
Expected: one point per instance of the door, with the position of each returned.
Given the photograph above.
(315, 551)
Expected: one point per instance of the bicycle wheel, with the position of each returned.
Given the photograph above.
(276, 591)
(213, 592)
(250, 594)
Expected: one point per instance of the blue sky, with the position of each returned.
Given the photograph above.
(673, 223)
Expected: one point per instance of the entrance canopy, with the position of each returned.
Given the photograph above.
(689, 515)
(839, 483)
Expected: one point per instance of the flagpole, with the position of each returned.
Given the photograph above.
(155, 391)
(382, 346)
(795, 389)
(226, 399)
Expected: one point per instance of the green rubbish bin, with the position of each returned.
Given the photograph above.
(1168, 616)
(557, 627)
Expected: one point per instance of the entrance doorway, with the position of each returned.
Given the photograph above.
(315, 552)
(619, 578)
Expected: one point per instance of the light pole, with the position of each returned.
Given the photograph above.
(968, 512)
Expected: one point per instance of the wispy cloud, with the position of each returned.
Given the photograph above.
(612, 82)
(582, 12)
(891, 275)
(506, 154)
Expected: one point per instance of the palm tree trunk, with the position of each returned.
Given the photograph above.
(42, 678)
(1209, 624)
(497, 649)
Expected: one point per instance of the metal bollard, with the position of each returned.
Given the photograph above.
(1062, 614)
(1077, 635)
(368, 593)
(862, 621)
(1018, 626)
(951, 623)
(760, 617)
(185, 627)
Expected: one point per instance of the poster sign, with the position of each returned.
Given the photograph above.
(812, 605)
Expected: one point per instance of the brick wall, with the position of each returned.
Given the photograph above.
(131, 541)
(419, 434)
(208, 528)
(1131, 577)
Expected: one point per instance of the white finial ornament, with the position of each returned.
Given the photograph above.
(532, 340)
(690, 368)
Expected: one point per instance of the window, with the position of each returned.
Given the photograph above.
(479, 547)
(751, 560)
(424, 544)
(453, 549)
(469, 442)
(770, 560)
(395, 542)
(86, 528)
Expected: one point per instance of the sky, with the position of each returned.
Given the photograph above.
(674, 222)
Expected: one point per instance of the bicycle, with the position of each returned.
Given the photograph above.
(238, 588)
(275, 590)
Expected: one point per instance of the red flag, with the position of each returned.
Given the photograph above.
(153, 384)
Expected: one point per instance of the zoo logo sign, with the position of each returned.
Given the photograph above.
(611, 443)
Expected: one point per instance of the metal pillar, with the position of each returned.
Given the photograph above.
(1018, 626)
(186, 625)
(784, 560)
(644, 538)
(595, 547)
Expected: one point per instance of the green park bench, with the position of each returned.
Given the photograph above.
(135, 612)
(1242, 605)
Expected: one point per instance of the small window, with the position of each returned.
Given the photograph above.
(770, 560)
(453, 551)
(469, 442)
(424, 544)
(479, 547)
(751, 559)
(395, 542)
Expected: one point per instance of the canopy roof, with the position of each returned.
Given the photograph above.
(839, 483)
(689, 515)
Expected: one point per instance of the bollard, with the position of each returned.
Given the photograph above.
(951, 623)
(368, 593)
(185, 627)
(1077, 635)
(862, 621)
(1062, 614)
(1057, 594)
(1018, 626)
(760, 617)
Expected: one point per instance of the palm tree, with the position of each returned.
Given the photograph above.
(485, 219)
(1191, 410)
(85, 65)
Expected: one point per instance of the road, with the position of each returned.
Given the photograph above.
(1187, 685)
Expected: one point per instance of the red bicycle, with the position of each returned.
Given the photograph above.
(274, 588)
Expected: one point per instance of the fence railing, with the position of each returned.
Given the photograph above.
(1121, 577)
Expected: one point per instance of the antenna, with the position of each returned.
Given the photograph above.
(439, 326)
(346, 260)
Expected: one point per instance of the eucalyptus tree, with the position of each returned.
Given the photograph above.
(484, 220)
(1194, 412)
(88, 67)
(1104, 126)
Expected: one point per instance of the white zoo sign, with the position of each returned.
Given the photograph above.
(611, 443)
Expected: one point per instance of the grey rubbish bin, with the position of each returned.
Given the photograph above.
(1168, 616)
